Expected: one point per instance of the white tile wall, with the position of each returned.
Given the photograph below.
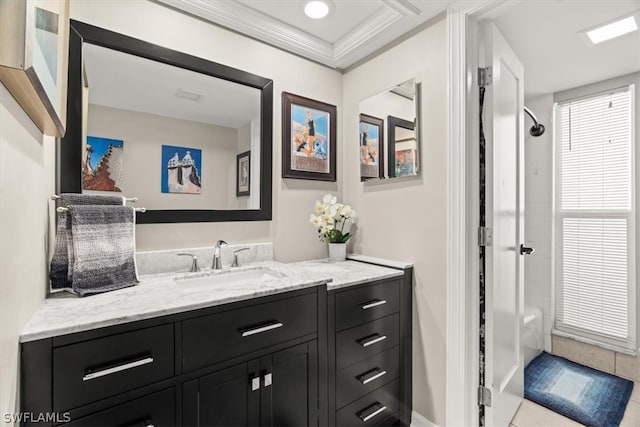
(538, 212)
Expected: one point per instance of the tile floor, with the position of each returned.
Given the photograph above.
(533, 415)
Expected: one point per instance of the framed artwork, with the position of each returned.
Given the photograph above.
(181, 170)
(308, 139)
(371, 147)
(34, 38)
(103, 165)
(243, 174)
(403, 147)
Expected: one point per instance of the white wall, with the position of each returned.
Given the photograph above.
(144, 134)
(293, 237)
(406, 219)
(26, 183)
(538, 211)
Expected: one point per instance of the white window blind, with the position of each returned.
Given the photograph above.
(594, 217)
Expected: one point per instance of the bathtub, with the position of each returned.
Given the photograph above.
(532, 334)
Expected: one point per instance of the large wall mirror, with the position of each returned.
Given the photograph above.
(390, 133)
(190, 138)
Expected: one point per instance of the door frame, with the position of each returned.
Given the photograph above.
(462, 338)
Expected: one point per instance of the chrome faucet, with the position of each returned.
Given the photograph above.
(217, 260)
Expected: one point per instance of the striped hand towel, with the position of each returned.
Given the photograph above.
(103, 248)
(59, 273)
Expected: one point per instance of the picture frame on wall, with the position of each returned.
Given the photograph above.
(34, 56)
(308, 138)
(371, 141)
(243, 174)
(402, 142)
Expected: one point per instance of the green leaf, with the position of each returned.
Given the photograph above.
(345, 238)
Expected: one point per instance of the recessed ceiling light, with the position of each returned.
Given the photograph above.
(317, 9)
(612, 30)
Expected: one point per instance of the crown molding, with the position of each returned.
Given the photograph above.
(350, 48)
(243, 19)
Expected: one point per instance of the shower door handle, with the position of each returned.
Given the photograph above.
(525, 250)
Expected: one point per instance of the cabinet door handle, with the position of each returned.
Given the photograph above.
(367, 341)
(372, 411)
(374, 303)
(373, 374)
(255, 383)
(119, 368)
(260, 329)
(268, 379)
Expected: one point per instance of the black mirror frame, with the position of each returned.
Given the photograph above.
(69, 155)
(392, 123)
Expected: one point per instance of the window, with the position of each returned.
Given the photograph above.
(595, 218)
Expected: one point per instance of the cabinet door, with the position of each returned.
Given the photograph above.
(230, 397)
(290, 387)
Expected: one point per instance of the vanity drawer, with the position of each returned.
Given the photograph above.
(210, 339)
(364, 377)
(91, 370)
(362, 342)
(153, 410)
(372, 409)
(366, 303)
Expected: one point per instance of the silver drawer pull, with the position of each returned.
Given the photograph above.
(260, 329)
(366, 378)
(119, 368)
(365, 418)
(268, 379)
(373, 303)
(366, 342)
(255, 383)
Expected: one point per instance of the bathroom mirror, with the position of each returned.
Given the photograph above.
(182, 134)
(390, 133)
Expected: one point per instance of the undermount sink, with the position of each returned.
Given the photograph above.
(227, 277)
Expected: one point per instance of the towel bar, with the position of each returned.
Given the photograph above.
(128, 199)
(63, 209)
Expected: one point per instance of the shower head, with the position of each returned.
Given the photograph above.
(538, 128)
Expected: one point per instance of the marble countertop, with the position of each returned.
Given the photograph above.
(160, 295)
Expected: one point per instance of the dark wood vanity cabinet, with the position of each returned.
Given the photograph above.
(369, 353)
(301, 358)
(280, 389)
(254, 362)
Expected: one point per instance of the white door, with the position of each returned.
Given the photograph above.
(504, 136)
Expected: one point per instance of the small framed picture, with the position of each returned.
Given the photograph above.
(308, 139)
(243, 174)
(403, 147)
(371, 147)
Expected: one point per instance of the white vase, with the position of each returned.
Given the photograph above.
(337, 252)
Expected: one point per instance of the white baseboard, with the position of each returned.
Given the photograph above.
(418, 420)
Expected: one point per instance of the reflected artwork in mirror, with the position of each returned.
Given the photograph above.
(393, 141)
(183, 123)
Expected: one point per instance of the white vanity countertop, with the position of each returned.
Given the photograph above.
(159, 295)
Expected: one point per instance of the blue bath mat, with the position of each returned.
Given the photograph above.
(588, 396)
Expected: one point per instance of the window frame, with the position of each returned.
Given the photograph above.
(630, 344)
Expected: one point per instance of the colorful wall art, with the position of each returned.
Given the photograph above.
(181, 170)
(103, 166)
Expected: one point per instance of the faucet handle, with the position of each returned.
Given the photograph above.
(235, 256)
(221, 244)
(194, 264)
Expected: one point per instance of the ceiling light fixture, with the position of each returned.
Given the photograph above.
(317, 9)
(612, 30)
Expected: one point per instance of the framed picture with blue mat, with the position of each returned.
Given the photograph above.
(586, 395)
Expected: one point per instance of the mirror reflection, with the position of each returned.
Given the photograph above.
(172, 137)
(389, 133)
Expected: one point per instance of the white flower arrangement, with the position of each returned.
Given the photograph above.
(330, 219)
